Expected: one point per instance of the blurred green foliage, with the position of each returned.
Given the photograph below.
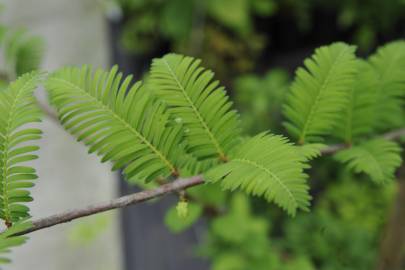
(21, 53)
(345, 226)
(200, 28)
(343, 229)
(231, 35)
(9, 240)
(239, 241)
(88, 230)
(261, 97)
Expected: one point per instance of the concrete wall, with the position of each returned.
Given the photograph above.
(75, 33)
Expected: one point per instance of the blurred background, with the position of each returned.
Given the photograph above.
(253, 46)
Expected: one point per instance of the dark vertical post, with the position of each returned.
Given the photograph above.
(147, 243)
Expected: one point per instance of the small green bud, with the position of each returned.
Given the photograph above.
(182, 209)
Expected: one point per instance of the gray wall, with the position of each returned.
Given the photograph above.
(75, 33)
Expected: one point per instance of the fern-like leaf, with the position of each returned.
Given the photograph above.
(379, 158)
(389, 65)
(8, 239)
(199, 103)
(18, 107)
(266, 165)
(357, 118)
(310, 151)
(319, 92)
(121, 123)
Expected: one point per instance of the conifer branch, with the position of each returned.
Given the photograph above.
(135, 198)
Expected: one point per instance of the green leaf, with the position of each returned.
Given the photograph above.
(357, 119)
(18, 108)
(23, 52)
(389, 64)
(311, 151)
(241, 228)
(8, 240)
(177, 19)
(234, 14)
(120, 122)
(265, 8)
(88, 230)
(260, 98)
(379, 158)
(178, 224)
(267, 166)
(319, 92)
(195, 100)
(208, 194)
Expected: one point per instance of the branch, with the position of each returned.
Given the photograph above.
(135, 198)
(120, 202)
(393, 135)
(48, 112)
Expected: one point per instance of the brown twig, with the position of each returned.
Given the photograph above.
(135, 198)
(120, 202)
(331, 149)
(393, 135)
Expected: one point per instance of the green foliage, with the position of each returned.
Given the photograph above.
(359, 208)
(202, 199)
(175, 19)
(311, 150)
(212, 128)
(319, 92)
(345, 226)
(234, 37)
(389, 65)
(259, 99)
(337, 244)
(8, 240)
(181, 123)
(378, 158)
(179, 28)
(199, 28)
(88, 230)
(18, 108)
(357, 118)
(234, 14)
(209, 195)
(368, 21)
(238, 240)
(268, 166)
(135, 130)
(22, 52)
(120, 122)
(155, 21)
